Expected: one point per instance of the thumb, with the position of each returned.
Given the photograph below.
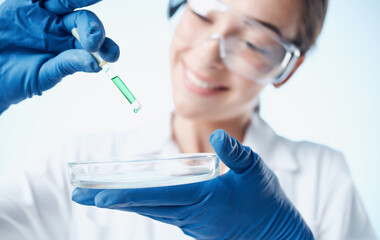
(236, 156)
(66, 63)
(65, 6)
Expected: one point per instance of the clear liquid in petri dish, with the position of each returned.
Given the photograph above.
(137, 180)
(180, 170)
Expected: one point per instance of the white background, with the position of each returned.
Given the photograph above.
(333, 99)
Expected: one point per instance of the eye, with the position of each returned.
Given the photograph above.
(203, 18)
(256, 48)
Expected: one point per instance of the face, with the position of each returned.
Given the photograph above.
(204, 89)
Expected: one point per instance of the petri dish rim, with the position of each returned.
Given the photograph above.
(81, 173)
(183, 156)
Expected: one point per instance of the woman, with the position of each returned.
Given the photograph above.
(222, 55)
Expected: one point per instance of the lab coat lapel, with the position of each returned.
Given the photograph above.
(276, 151)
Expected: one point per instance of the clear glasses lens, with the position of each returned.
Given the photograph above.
(252, 51)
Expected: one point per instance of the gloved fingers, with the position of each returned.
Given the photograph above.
(168, 212)
(109, 51)
(161, 196)
(60, 7)
(66, 63)
(236, 156)
(173, 215)
(85, 196)
(160, 219)
(90, 29)
(177, 216)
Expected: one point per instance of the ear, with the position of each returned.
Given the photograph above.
(298, 63)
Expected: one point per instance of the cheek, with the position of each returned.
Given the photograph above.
(238, 100)
(178, 51)
(175, 67)
(175, 54)
(245, 94)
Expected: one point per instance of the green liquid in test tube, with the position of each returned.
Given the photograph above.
(123, 88)
(114, 77)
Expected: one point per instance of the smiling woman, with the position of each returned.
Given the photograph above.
(221, 56)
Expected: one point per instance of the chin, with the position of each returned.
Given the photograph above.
(193, 107)
(193, 112)
(189, 110)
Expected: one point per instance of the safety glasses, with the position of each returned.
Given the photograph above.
(246, 46)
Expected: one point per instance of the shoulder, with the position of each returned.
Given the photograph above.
(310, 155)
(321, 187)
(306, 152)
(288, 155)
(319, 166)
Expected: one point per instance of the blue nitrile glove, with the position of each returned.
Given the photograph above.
(245, 203)
(37, 49)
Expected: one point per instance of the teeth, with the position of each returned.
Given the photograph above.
(199, 83)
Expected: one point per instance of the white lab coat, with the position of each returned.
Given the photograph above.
(36, 204)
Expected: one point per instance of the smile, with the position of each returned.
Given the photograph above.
(198, 82)
(201, 85)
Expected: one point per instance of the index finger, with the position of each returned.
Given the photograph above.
(60, 7)
(180, 195)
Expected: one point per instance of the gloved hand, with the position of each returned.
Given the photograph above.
(245, 203)
(37, 49)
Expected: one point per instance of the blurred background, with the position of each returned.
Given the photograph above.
(333, 99)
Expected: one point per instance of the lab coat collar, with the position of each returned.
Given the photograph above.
(276, 151)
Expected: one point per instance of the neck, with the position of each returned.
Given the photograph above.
(192, 136)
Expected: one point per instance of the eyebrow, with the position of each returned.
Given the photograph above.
(265, 24)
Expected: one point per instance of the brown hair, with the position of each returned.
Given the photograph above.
(312, 19)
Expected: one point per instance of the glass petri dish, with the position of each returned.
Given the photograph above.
(145, 173)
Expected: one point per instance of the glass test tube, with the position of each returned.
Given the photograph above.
(114, 77)
(122, 87)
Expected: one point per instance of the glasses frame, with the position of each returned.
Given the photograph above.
(292, 51)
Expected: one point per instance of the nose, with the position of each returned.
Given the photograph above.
(221, 44)
(211, 52)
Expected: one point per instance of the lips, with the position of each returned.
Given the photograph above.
(201, 85)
